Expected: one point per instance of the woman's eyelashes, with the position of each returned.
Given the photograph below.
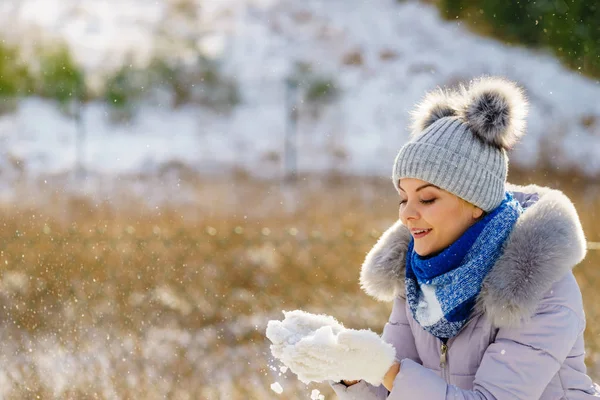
(422, 201)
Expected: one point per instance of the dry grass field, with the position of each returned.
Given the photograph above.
(124, 298)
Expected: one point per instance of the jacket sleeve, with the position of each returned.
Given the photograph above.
(396, 332)
(519, 364)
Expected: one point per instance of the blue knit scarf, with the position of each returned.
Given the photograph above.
(441, 289)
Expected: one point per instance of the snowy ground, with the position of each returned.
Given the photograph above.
(405, 48)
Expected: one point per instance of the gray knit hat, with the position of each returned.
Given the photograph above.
(459, 140)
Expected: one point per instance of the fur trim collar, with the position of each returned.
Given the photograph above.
(546, 242)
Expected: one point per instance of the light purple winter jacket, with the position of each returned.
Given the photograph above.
(524, 339)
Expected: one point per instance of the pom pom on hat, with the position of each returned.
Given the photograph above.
(436, 105)
(495, 110)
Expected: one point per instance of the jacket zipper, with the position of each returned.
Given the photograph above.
(444, 361)
(444, 355)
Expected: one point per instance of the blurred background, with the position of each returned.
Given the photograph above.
(175, 173)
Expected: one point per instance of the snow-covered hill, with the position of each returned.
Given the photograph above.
(381, 54)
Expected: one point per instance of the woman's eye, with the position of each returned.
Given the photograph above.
(427, 201)
(402, 202)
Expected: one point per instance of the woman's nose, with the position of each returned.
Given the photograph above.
(408, 211)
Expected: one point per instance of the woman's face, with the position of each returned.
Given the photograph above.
(435, 217)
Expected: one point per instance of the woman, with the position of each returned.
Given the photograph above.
(485, 303)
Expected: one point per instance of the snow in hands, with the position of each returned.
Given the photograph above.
(318, 348)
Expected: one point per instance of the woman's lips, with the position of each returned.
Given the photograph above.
(419, 233)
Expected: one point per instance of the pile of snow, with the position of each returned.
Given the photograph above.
(318, 348)
(383, 55)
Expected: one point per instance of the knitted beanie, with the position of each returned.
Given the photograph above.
(459, 140)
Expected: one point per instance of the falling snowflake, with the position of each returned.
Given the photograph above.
(276, 387)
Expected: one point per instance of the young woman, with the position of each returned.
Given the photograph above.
(485, 303)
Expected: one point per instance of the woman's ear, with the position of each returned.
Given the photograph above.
(477, 212)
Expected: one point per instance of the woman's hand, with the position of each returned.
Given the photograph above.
(317, 348)
(388, 379)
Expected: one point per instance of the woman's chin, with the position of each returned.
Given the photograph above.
(423, 252)
(426, 251)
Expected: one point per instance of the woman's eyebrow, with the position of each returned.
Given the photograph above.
(426, 185)
(420, 187)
